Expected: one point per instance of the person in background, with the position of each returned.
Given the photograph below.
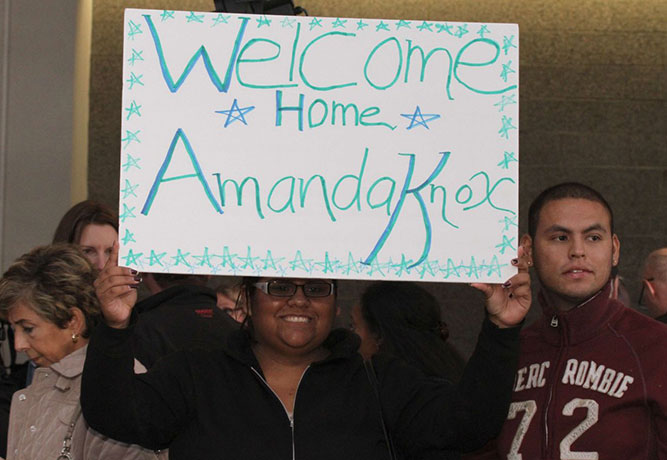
(289, 387)
(403, 319)
(592, 374)
(230, 300)
(180, 314)
(654, 285)
(91, 225)
(618, 289)
(47, 295)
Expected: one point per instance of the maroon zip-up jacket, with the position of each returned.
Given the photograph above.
(591, 385)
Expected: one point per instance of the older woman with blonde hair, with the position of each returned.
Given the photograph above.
(47, 296)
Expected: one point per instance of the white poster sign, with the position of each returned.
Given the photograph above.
(319, 147)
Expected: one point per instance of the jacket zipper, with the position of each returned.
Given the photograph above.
(555, 323)
(289, 417)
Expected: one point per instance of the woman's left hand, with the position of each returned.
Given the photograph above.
(508, 303)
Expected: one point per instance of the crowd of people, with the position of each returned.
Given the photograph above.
(201, 368)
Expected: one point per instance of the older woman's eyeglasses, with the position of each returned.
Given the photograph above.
(282, 288)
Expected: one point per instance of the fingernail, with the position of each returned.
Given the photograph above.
(515, 261)
(137, 278)
(507, 284)
(134, 272)
(134, 286)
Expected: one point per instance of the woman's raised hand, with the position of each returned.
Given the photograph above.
(116, 288)
(508, 303)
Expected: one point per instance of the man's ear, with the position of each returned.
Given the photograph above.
(615, 250)
(649, 288)
(527, 244)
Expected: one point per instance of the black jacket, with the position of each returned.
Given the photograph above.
(179, 318)
(215, 403)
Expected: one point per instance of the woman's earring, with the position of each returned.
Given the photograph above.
(75, 337)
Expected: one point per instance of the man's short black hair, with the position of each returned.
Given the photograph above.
(560, 192)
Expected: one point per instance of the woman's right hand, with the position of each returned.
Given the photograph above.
(116, 289)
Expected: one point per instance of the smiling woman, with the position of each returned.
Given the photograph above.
(289, 386)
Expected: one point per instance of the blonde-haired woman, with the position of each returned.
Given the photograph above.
(47, 295)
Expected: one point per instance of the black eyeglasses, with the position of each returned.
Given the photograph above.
(641, 293)
(282, 288)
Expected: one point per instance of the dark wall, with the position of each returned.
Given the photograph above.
(592, 96)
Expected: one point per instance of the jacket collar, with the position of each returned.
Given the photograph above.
(582, 322)
(341, 343)
(71, 365)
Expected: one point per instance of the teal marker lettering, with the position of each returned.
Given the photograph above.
(280, 109)
(399, 205)
(159, 178)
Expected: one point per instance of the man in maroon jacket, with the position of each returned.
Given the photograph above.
(592, 378)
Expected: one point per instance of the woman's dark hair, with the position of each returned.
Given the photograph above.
(80, 215)
(405, 319)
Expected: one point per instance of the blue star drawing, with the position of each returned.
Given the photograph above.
(220, 19)
(425, 26)
(376, 267)
(156, 259)
(288, 22)
(450, 268)
(270, 262)
(483, 30)
(403, 24)
(128, 238)
(128, 213)
(339, 23)
(507, 125)
(301, 263)
(135, 80)
(166, 15)
(361, 24)
(382, 26)
(507, 69)
(131, 162)
(136, 56)
(135, 29)
(509, 158)
(129, 189)
(235, 113)
(508, 222)
(133, 258)
(263, 21)
(507, 43)
(315, 22)
(215, 269)
(427, 266)
(461, 30)
(444, 28)
(419, 119)
(204, 259)
(403, 266)
(327, 265)
(505, 101)
(472, 268)
(248, 261)
(194, 17)
(507, 243)
(227, 257)
(133, 109)
(181, 258)
(131, 137)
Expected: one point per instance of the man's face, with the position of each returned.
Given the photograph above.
(573, 250)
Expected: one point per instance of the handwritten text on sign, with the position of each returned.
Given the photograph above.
(319, 147)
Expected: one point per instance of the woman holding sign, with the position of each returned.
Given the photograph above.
(290, 387)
